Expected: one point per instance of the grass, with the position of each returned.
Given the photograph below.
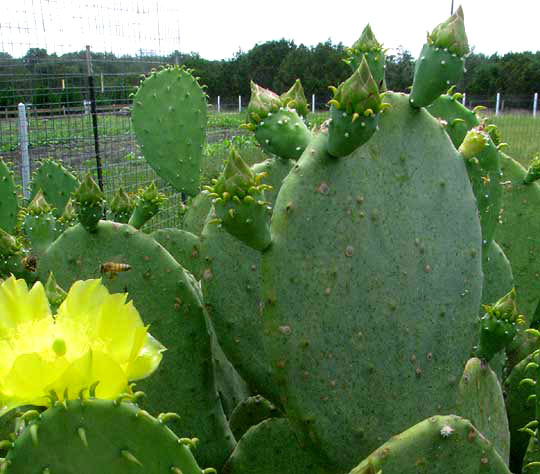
(522, 133)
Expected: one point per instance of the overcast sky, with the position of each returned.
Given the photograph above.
(218, 29)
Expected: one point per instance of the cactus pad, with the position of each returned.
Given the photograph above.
(90, 435)
(363, 249)
(56, 183)
(9, 206)
(169, 119)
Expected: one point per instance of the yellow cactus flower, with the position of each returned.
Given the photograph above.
(95, 337)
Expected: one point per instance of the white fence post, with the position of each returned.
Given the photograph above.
(313, 103)
(239, 103)
(498, 103)
(218, 103)
(25, 158)
(535, 104)
(464, 99)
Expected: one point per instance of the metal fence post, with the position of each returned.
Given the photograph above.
(498, 103)
(218, 104)
(535, 104)
(93, 110)
(25, 158)
(313, 103)
(239, 103)
(464, 99)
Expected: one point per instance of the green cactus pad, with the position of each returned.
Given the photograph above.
(56, 183)
(169, 118)
(231, 387)
(437, 445)
(9, 206)
(89, 203)
(483, 166)
(90, 435)
(533, 171)
(499, 326)
(147, 205)
(239, 202)
(369, 48)
(197, 212)
(458, 119)
(231, 284)
(498, 277)
(441, 62)
(251, 412)
(435, 71)
(363, 249)
(121, 207)
(184, 246)
(283, 133)
(271, 447)
(168, 299)
(295, 99)
(520, 409)
(354, 112)
(480, 400)
(519, 233)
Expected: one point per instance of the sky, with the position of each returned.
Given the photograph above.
(219, 29)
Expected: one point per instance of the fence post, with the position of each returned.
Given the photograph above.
(239, 103)
(313, 103)
(535, 104)
(464, 99)
(218, 103)
(25, 158)
(93, 110)
(498, 103)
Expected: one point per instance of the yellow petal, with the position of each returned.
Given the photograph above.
(83, 300)
(30, 376)
(92, 367)
(119, 326)
(18, 305)
(148, 359)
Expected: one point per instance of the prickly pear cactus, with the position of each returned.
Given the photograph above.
(9, 206)
(147, 204)
(278, 127)
(383, 243)
(197, 212)
(251, 412)
(82, 436)
(354, 113)
(369, 48)
(240, 204)
(121, 207)
(458, 119)
(481, 401)
(437, 445)
(184, 246)
(441, 61)
(519, 233)
(231, 285)
(271, 447)
(168, 299)
(56, 183)
(169, 118)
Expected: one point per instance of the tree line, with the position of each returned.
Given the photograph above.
(42, 78)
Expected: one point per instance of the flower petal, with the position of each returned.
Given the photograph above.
(85, 371)
(18, 305)
(119, 326)
(148, 359)
(83, 300)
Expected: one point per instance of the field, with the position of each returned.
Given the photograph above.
(70, 139)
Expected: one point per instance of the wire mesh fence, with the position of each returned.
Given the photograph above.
(44, 64)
